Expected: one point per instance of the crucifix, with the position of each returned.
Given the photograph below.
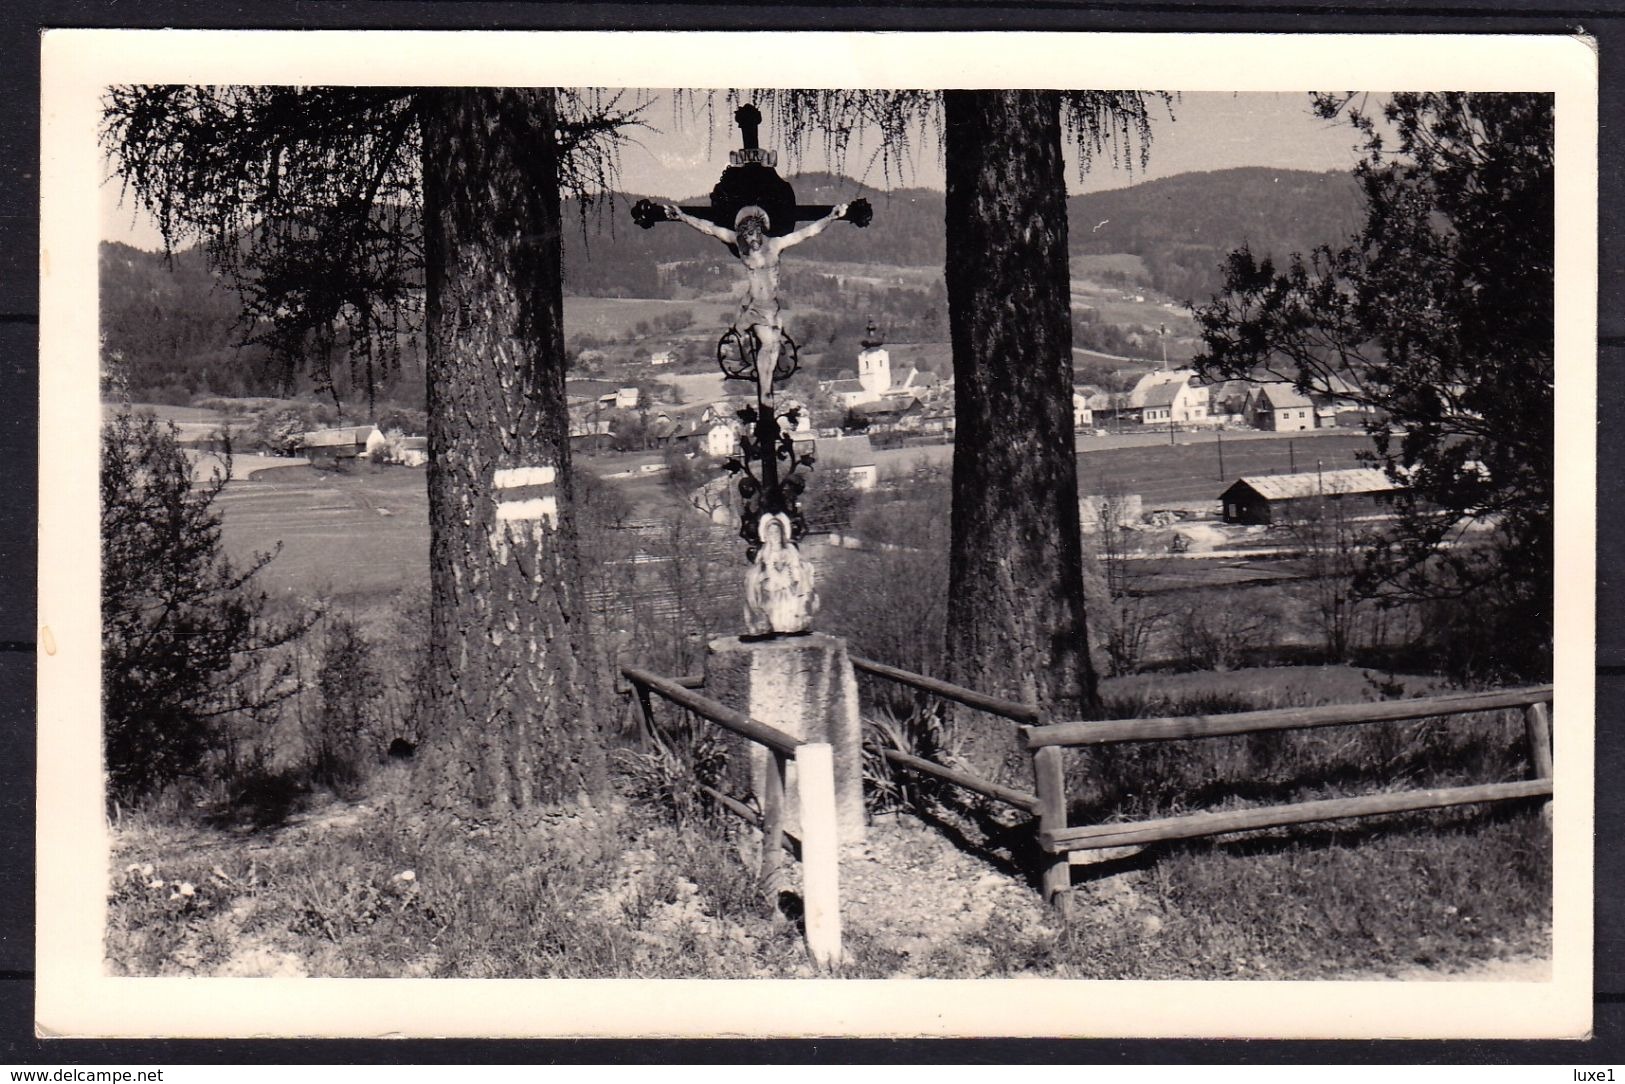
(753, 211)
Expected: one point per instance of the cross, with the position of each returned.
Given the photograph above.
(754, 212)
(751, 180)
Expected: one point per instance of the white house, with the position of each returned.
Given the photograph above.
(721, 440)
(1175, 403)
(1083, 415)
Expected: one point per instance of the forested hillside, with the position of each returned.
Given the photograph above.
(606, 255)
(174, 328)
(1184, 226)
(169, 329)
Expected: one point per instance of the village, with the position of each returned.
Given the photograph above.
(874, 423)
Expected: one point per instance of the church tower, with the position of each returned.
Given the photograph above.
(874, 364)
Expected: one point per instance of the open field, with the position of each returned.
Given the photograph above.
(1179, 473)
(366, 532)
(344, 537)
(616, 316)
(1188, 469)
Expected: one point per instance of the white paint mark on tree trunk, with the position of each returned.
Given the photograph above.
(513, 477)
(536, 508)
(526, 506)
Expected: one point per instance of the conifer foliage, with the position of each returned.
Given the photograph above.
(187, 639)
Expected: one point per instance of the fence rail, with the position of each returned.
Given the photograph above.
(1019, 799)
(1056, 837)
(737, 721)
(1046, 744)
(1010, 709)
(1248, 722)
(1195, 825)
(815, 777)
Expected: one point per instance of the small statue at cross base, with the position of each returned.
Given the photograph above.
(779, 595)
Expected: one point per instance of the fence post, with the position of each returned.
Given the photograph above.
(1539, 728)
(820, 852)
(773, 829)
(650, 732)
(1049, 779)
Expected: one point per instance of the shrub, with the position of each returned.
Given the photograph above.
(347, 717)
(1216, 630)
(187, 642)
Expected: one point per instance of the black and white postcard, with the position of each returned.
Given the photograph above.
(778, 534)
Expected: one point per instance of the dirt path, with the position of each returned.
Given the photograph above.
(913, 892)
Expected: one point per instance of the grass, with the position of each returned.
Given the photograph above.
(569, 895)
(1188, 470)
(655, 885)
(1443, 888)
(635, 895)
(1138, 780)
(1390, 896)
(344, 535)
(616, 316)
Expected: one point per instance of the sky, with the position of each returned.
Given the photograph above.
(1208, 131)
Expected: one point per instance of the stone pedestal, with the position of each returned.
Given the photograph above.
(804, 686)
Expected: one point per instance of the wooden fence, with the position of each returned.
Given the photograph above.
(1008, 709)
(815, 782)
(1045, 741)
(1056, 837)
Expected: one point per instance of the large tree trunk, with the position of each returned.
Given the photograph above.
(1015, 609)
(512, 720)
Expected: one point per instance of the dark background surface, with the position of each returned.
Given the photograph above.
(20, 24)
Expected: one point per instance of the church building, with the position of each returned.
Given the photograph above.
(874, 379)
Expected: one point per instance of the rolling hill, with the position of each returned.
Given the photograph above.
(173, 325)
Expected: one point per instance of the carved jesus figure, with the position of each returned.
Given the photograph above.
(759, 254)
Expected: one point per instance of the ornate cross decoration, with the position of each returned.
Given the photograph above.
(754, 212)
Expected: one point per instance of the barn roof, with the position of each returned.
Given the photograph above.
(1284, 396)
(847, 452)
(1284, 487)
(1163, 395)
(589, 387)
(892, 404)
(335, 438)
(842, 385)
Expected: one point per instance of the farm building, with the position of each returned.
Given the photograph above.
(1274, 498)
(1282, 408)
(855, 455)
(1176, 402)
(335, 445)
(1227, 400)
(938, 419)
(891, 414)
(1083, 415)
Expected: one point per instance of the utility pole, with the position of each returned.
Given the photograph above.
(1291, 458)
(1220, 434)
